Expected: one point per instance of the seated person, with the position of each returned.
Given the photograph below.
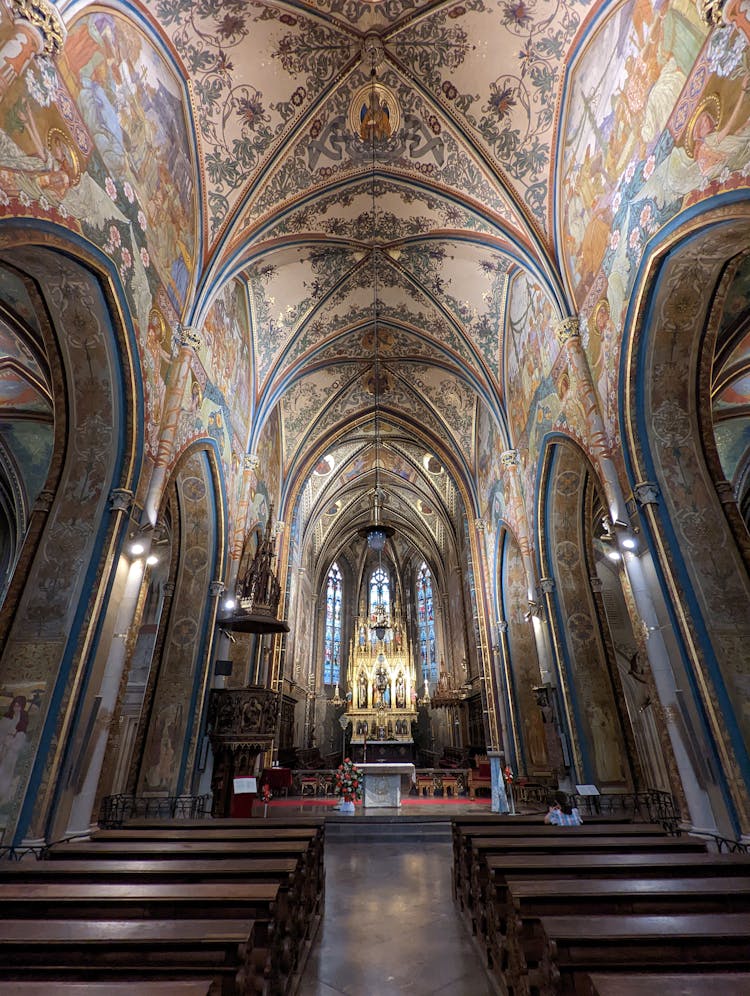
(561, 814)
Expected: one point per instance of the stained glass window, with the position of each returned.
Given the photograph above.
(380, 594)
(332, 660)
(426, 623)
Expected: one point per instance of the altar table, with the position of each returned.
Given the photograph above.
(383, 784)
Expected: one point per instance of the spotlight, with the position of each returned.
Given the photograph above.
(137, 548)
(613, 555)
(629, 543)
(230, 603)
(152, 559)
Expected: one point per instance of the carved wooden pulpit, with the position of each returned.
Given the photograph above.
(242, 722)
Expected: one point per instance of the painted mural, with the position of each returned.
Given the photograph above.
(269, 450)
(227, 358)
(533, 404)
(620, 184)
(133, 109)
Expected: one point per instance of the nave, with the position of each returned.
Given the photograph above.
(390, 926)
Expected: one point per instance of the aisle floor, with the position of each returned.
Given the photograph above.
(391, 926)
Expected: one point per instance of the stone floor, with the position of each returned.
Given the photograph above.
(391, 927)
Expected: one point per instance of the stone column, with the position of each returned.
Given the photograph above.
(515, 505)
(188, 339)
(582, 386)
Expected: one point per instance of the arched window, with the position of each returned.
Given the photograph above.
(332, 661)
(426, 623)
(380, 594)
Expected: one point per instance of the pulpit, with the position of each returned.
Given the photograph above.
(383, 784)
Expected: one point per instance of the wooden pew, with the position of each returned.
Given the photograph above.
(310, 855)
(278, 918)
(464, 833)
(640, 984)
(60, 987)
(502, 868)
(129, 950)
(528, 901)
(567, 948)
(474, 874)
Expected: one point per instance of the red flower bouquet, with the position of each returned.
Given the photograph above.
(348, 781)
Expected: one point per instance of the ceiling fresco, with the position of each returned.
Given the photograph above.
(376, 173)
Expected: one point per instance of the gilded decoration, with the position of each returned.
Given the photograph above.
(374, 114)
(46, 19)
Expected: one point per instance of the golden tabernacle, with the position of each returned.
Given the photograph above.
(382, 680)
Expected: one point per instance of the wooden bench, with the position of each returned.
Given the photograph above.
(60, 987)
(528, 901)
(129, 950)
(470, 869)
(640, 984)
(567, 948)
(278, 917)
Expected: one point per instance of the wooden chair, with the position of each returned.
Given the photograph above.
(480, 777)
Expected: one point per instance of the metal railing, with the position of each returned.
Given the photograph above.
(117, 809)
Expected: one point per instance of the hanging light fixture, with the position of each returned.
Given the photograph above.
(377, 532)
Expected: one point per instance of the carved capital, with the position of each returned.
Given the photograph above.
(502, 625)
(251, 461)
(169, 589)
(278, 528)
(646, 493)
(480, 525)
(216, 588)
(567, 329)
(596, 583)
(509, 458)
(45, 17)
(188, 336)
(43, 501)
(547, 585)
(120, 499)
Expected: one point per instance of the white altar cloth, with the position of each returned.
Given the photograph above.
(383, 783)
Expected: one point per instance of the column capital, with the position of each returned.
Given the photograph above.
(567, 329)
(547, 585)
(216, 588)
(43, 501)
(480, 525)
(251, 461)
(188, 335)
(509, 458)
(169, 588)
(646, 493)
(120, 499)
(45, 17)
(596, 583)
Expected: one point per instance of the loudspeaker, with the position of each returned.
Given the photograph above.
(223, 667)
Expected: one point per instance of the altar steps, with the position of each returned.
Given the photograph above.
(386, 830)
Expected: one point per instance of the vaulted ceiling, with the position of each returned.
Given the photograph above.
(375, 174)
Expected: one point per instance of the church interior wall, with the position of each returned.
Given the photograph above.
(138, 419)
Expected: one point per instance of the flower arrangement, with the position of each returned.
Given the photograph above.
(267, 793)
(348, 781)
